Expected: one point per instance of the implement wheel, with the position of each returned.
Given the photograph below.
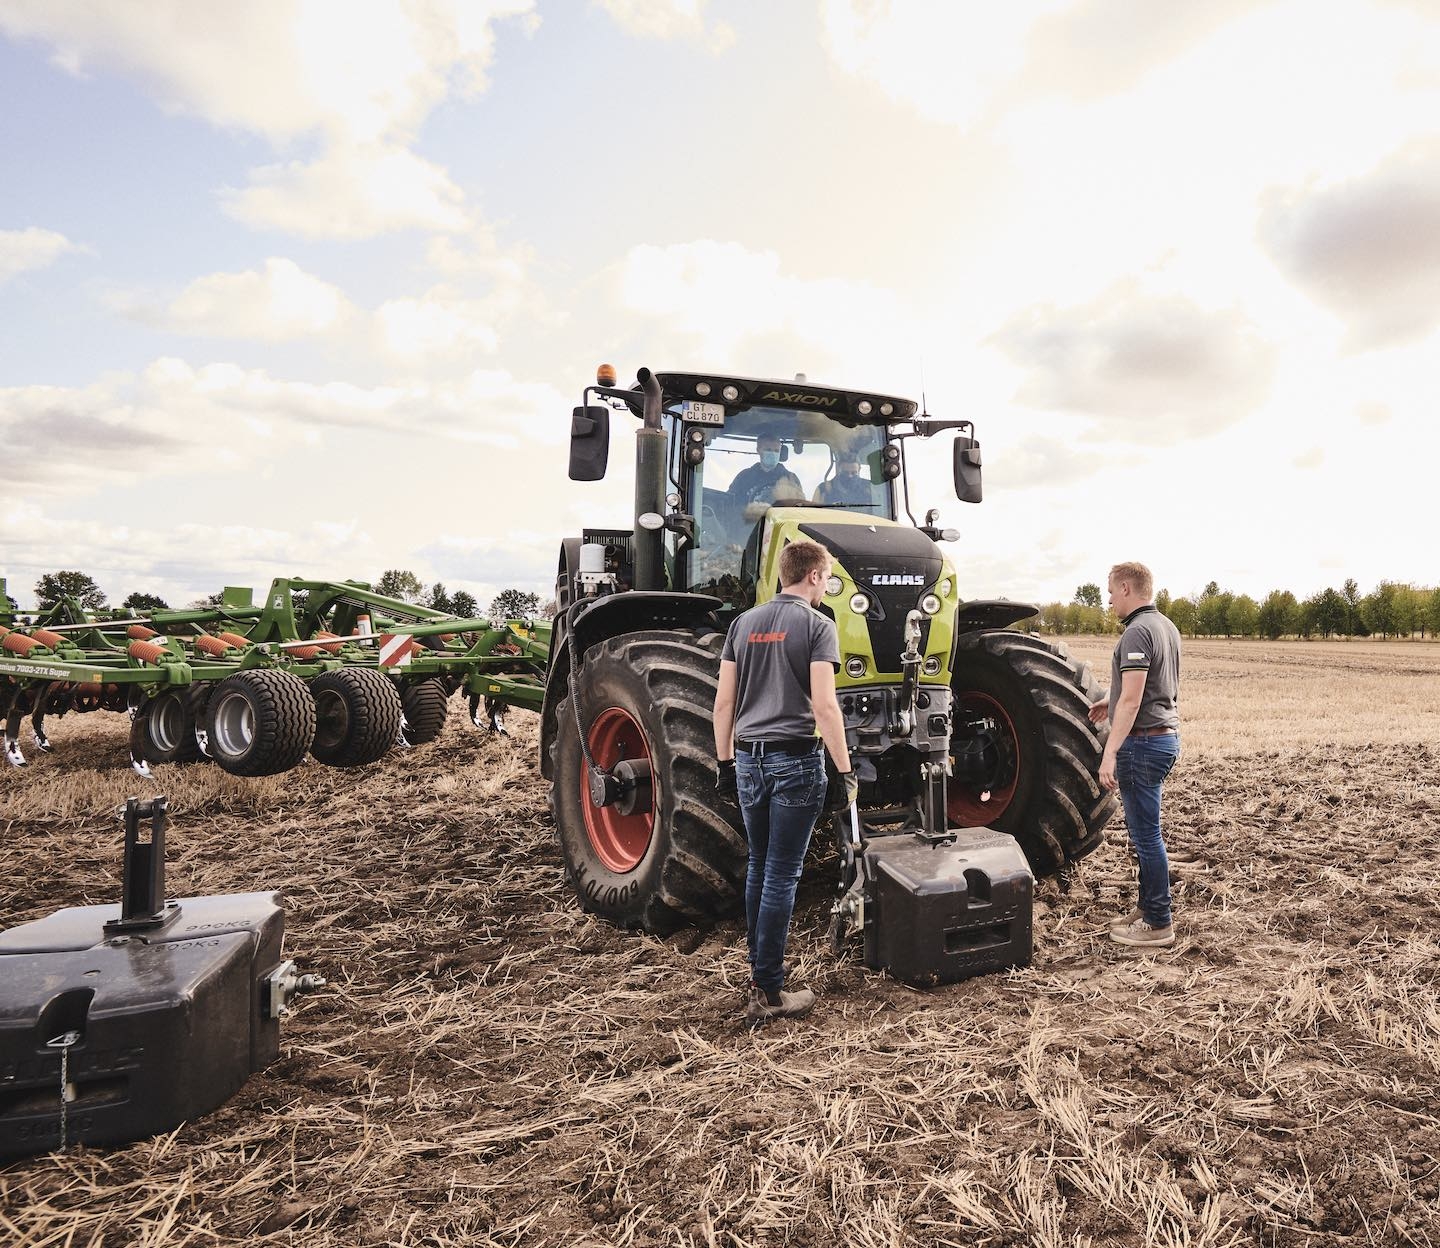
(260, 722)
(1026, 756)
(677, 855)
(357, 716)
(426, 705)
(164, 727)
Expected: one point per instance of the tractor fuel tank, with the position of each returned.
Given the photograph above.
(108, 1036)
(938, 911)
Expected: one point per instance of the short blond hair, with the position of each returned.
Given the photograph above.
(799, 559)
(1138, 576)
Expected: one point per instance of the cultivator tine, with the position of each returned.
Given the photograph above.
(494, 720)
(139, 766)
(13, 754)
(42, 742)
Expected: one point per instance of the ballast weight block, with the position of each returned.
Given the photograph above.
(166, 1024)
(938, 911)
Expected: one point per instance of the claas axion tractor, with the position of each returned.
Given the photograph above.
(976, 760)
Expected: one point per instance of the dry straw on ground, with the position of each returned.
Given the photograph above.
(489, 1066)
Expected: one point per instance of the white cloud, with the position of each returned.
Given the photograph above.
(173, 419)
(947, 61)
(1367, 248)
(32, 248)
(437, 324)
(669, 19)
(277, 303)
(1147, 368)
(358, 83)
(728, 300)
(350, 193)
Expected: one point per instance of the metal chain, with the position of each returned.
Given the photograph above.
(63, 1043)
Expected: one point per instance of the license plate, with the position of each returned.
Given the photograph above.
(703, 413)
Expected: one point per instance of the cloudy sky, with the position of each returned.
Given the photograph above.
(309, 287)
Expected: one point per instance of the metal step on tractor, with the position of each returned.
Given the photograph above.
(955, 720)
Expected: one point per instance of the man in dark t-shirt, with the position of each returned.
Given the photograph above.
(777, 687)
(1144, 742)
(847, 488)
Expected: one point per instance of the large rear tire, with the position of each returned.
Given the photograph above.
(1027, 756)
(357, 716)
(260, 722)
(649, 696)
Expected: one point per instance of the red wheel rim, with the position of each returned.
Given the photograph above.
(620, 841)
(966, 806)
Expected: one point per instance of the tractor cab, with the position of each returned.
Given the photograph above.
(739, 453)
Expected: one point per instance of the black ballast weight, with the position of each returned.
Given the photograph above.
(940, 910)
(149, 1014)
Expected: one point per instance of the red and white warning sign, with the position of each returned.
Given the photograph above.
(395, 651)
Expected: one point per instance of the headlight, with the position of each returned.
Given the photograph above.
(944, 588)
(859, 604)
(855, 666)
(932, 665)
(702, 388)
(930, 604)
(833, 586)
(863, 407)
(730, 393)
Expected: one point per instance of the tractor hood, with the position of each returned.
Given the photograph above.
(894, 566)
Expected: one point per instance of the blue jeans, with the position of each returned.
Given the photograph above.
(1141, 767)
(781, 796)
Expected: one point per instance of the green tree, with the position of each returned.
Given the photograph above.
(439, 599)
(1351, 594)
(1184, 615)
(1242, 616)
(515, 604)
(1162, 602)
(1331, 611)
(54, 586)
(1279, 614)
(1213, 614)
(1088, 595)
(1378, 609)
(464, 605)
(399, 583)
(145, 602)
(1432, 612)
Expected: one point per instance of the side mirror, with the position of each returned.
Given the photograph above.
(589, 443)
(967, 470)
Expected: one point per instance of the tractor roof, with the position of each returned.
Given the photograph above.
(857, 405)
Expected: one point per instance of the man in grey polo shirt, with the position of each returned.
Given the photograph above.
(776, 688)
(1143, 706)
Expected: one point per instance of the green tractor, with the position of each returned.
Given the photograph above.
(954, 720)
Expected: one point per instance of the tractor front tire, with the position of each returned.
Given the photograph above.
(648, 696)
(1022, 705)
(357, 716)
(426, 705)
(260, 722)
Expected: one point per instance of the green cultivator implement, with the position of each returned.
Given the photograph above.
(325, 668)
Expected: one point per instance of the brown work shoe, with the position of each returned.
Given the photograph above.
(1125, 920)
(763, 1006)
(1144, 935)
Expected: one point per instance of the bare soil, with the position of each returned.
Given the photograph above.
(489, 1065)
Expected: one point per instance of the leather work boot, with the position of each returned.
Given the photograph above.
(1142, 935)
(1126, 919)
(763, 1006)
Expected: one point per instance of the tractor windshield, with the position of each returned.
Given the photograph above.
(764, 457)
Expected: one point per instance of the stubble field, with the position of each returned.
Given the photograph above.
(490, 1066)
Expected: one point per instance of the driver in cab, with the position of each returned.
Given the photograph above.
(847, 488)
(759, 485)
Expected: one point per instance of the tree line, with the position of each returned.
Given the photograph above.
(1391, 609)
(399, 583)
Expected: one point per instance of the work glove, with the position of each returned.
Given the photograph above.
(852, 787)
(725, 781)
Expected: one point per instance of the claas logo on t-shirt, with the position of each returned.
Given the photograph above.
(766, 637)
